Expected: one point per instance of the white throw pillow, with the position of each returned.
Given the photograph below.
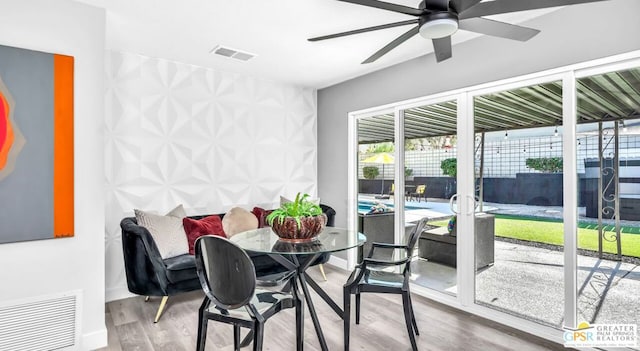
(167, 231)
(177, 212)
(238, 220)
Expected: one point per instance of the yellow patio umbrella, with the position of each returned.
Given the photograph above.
(381, 158)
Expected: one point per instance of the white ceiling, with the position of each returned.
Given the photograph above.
(275, 30)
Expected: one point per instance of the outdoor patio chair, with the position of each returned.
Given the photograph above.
(228, 278)
(370, 276)
(392, 191)
(420, 193)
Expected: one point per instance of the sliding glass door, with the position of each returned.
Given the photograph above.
(518, 224)
(430, 148)
(608, 166)
(532, 188)
(376, 173)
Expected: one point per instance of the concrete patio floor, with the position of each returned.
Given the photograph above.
(528, 281)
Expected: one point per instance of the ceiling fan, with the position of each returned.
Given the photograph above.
(439, 19)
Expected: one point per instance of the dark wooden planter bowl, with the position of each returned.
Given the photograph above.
(288, 230)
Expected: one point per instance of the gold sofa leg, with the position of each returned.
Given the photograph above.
(163, 303)
(321, 266)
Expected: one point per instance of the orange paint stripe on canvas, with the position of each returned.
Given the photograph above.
(8, 140)
(63, 210)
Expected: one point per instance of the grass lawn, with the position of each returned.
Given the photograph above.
(551, 232)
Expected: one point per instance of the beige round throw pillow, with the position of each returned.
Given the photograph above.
(238, 220)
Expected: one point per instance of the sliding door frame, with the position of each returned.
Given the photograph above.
(465, 299)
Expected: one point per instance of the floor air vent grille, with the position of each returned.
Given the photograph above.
(41, 323)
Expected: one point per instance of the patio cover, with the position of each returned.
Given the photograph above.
(606, 97)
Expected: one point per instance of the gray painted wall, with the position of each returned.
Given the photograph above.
(570, 35)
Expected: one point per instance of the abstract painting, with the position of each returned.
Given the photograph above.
(36, 145)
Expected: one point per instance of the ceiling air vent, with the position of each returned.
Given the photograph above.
(232, 53)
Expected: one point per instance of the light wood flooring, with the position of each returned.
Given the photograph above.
(130, 325)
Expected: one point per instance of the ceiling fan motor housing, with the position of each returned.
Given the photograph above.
(435, 25)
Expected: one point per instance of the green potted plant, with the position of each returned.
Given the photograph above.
(408, 173)
(370, 172)
(300, 220)
(449, 167)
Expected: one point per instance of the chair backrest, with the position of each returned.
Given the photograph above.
(415, 233)
(420, 189)
(226, 272)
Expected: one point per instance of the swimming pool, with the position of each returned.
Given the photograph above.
(365, 206)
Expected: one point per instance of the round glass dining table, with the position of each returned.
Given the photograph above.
(298, 256)
(331, 239)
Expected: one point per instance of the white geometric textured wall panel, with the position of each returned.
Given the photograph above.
(210, 140)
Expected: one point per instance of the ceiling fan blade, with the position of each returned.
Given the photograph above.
(461, 5)
(442, 48)
(506, 6)
(387, 6)
(498, 29)
(364, 30)
(393, 44)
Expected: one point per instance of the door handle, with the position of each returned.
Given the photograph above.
(475, 203)
(451, 200)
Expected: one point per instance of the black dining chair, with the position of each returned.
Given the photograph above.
(228, 278)
(373, 275)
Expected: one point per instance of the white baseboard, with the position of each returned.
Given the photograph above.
(338, 262)
(118, 293)
(94, 340)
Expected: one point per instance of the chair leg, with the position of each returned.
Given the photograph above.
(358, 307)
(413, 316)
(202, 331)
(321, 266)
(236, 338)
(258, 331)
(406, 305)
(163, 303)
(346, 315)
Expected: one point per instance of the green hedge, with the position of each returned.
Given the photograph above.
(545, 164)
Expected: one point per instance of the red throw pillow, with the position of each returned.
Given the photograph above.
(261, 214)
(195, 228)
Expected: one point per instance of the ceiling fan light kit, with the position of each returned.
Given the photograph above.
(437, 20)
(438, 25)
